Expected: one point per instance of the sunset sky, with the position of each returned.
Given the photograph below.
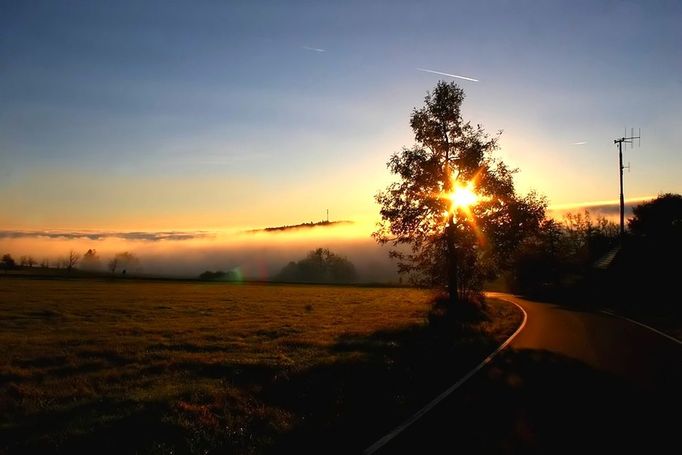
(210, 115)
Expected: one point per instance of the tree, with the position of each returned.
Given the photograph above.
(319, 266)
(435, 241)
(7, 261)
(660, 219)
(27, 261)
(91, 260)
(72, 260)
(123, 261)
(219, 275)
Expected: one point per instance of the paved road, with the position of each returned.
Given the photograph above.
(571, 381)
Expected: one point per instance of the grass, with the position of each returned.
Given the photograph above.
(182, 367)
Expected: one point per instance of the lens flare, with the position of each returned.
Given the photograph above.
(463, 196)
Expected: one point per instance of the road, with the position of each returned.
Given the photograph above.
(570, 381)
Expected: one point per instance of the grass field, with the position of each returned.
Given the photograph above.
(182, 367)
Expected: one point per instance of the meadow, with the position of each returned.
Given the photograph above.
(137, 366)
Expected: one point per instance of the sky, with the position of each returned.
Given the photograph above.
(211, 115)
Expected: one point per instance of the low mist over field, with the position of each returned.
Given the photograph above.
(254, 255)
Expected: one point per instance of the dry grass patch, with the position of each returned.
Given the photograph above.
(185, 367)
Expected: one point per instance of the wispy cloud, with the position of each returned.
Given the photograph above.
(580, 143)
(314, 49)
(424, 70)
(101, 235)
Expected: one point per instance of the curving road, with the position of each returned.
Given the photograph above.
(571, 381)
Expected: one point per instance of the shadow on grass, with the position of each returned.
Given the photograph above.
(533, 401)
(387, 376)
(375, 382)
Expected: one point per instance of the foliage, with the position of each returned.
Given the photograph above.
(7, 261)
(319, 266)
(219, 275)
(91, 260)
(561, 253)
(448, 152)
(658, 219)
(124, 261)
(72, 260)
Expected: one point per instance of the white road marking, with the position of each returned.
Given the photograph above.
(400, 428)
(671, 338)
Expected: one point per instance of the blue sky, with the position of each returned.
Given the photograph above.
(207, 114)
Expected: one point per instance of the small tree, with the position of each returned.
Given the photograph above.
(30, 261)
(72, 260)
(91, 260)
(7, 261)
(319, 266)
(123, 261)
(45, 263)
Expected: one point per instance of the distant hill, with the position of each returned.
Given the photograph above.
(301, 226)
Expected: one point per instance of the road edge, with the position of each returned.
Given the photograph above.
(641, 324)
(419, 414)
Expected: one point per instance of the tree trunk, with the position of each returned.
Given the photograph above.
(451, 260)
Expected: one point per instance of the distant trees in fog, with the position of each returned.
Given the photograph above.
(7, 262)
(72, 260)
(319, 266)
(219, 275)
(91, 260)
(123, 261)
(27, 261)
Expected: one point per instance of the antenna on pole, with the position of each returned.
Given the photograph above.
(627, 140)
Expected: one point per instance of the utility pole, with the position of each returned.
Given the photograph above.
(620, 142)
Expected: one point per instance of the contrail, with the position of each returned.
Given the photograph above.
(580, 143)
(448, 74)
(315, 49)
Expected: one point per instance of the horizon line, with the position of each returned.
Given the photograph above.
(599, 203)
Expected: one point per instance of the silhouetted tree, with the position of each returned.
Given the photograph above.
(72, 260)
(651, 255)
(660, 218)
(219, 275)
(27, 261)
(561, 254)
(439, 245)
(319, 266)
(45, 263)
(123, 261)
(91, 260)
(7, 261)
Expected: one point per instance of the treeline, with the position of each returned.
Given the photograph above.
(318, 266)
(89, 261)
(583, 259)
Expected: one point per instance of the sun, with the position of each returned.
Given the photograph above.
(463, 196)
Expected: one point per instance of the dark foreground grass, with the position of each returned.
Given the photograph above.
(161, 367)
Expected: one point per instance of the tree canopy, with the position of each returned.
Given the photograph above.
(319, 266)
(417, 215)
(661, 218)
